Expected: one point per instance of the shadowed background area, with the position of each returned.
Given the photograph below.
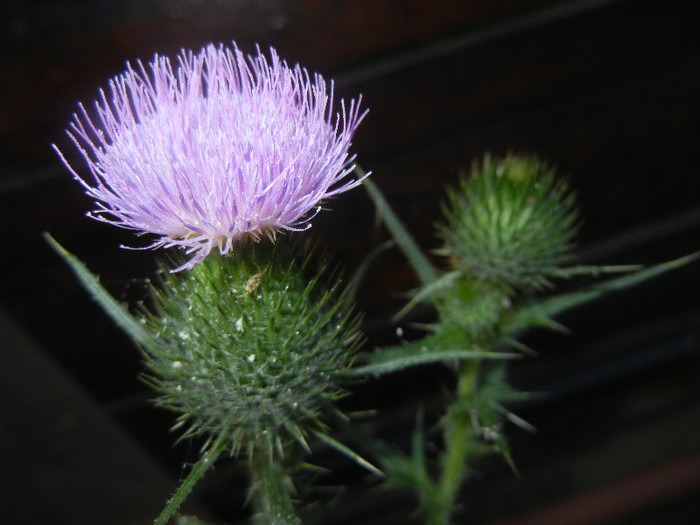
(605, 89)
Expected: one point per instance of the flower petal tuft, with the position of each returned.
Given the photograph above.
(214, 150)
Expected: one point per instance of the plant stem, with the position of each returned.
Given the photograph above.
(270, 489)
(198, 470)
(457, 434)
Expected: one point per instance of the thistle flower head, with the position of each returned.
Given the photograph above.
(511, 222)
(250, 346)
(214, 149)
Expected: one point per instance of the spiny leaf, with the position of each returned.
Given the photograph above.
(412, 470)
(109, 304)
(573, 271)
(393, 359)
(541, 312)
(421, 264)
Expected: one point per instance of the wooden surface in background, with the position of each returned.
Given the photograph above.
(607, 90)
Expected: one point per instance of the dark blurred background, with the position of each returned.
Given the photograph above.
(607, 90)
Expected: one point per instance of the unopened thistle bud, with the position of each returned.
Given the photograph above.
(250, 345)
(511, 222)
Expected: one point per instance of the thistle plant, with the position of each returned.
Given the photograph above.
(508, 233)
(250, 347)
(247, 341)
(507, 228)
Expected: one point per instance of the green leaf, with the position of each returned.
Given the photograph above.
(541, 312)
(412, 470)
(424, 483)
(393, 359)
(421, 264)
(119, 314)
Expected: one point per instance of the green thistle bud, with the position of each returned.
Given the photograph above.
(251, 346)
(510, 222)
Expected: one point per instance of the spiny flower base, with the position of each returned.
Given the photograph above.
(249, 345)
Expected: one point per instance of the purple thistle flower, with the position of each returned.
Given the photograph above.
(216, 150)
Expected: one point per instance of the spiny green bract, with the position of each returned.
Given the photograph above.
(249, 345)
(510, 222)
(472, 309)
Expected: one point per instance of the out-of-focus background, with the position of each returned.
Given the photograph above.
(605, 89)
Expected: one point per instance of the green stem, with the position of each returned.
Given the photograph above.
(270, 488)
(458, 428)
(198, 470)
